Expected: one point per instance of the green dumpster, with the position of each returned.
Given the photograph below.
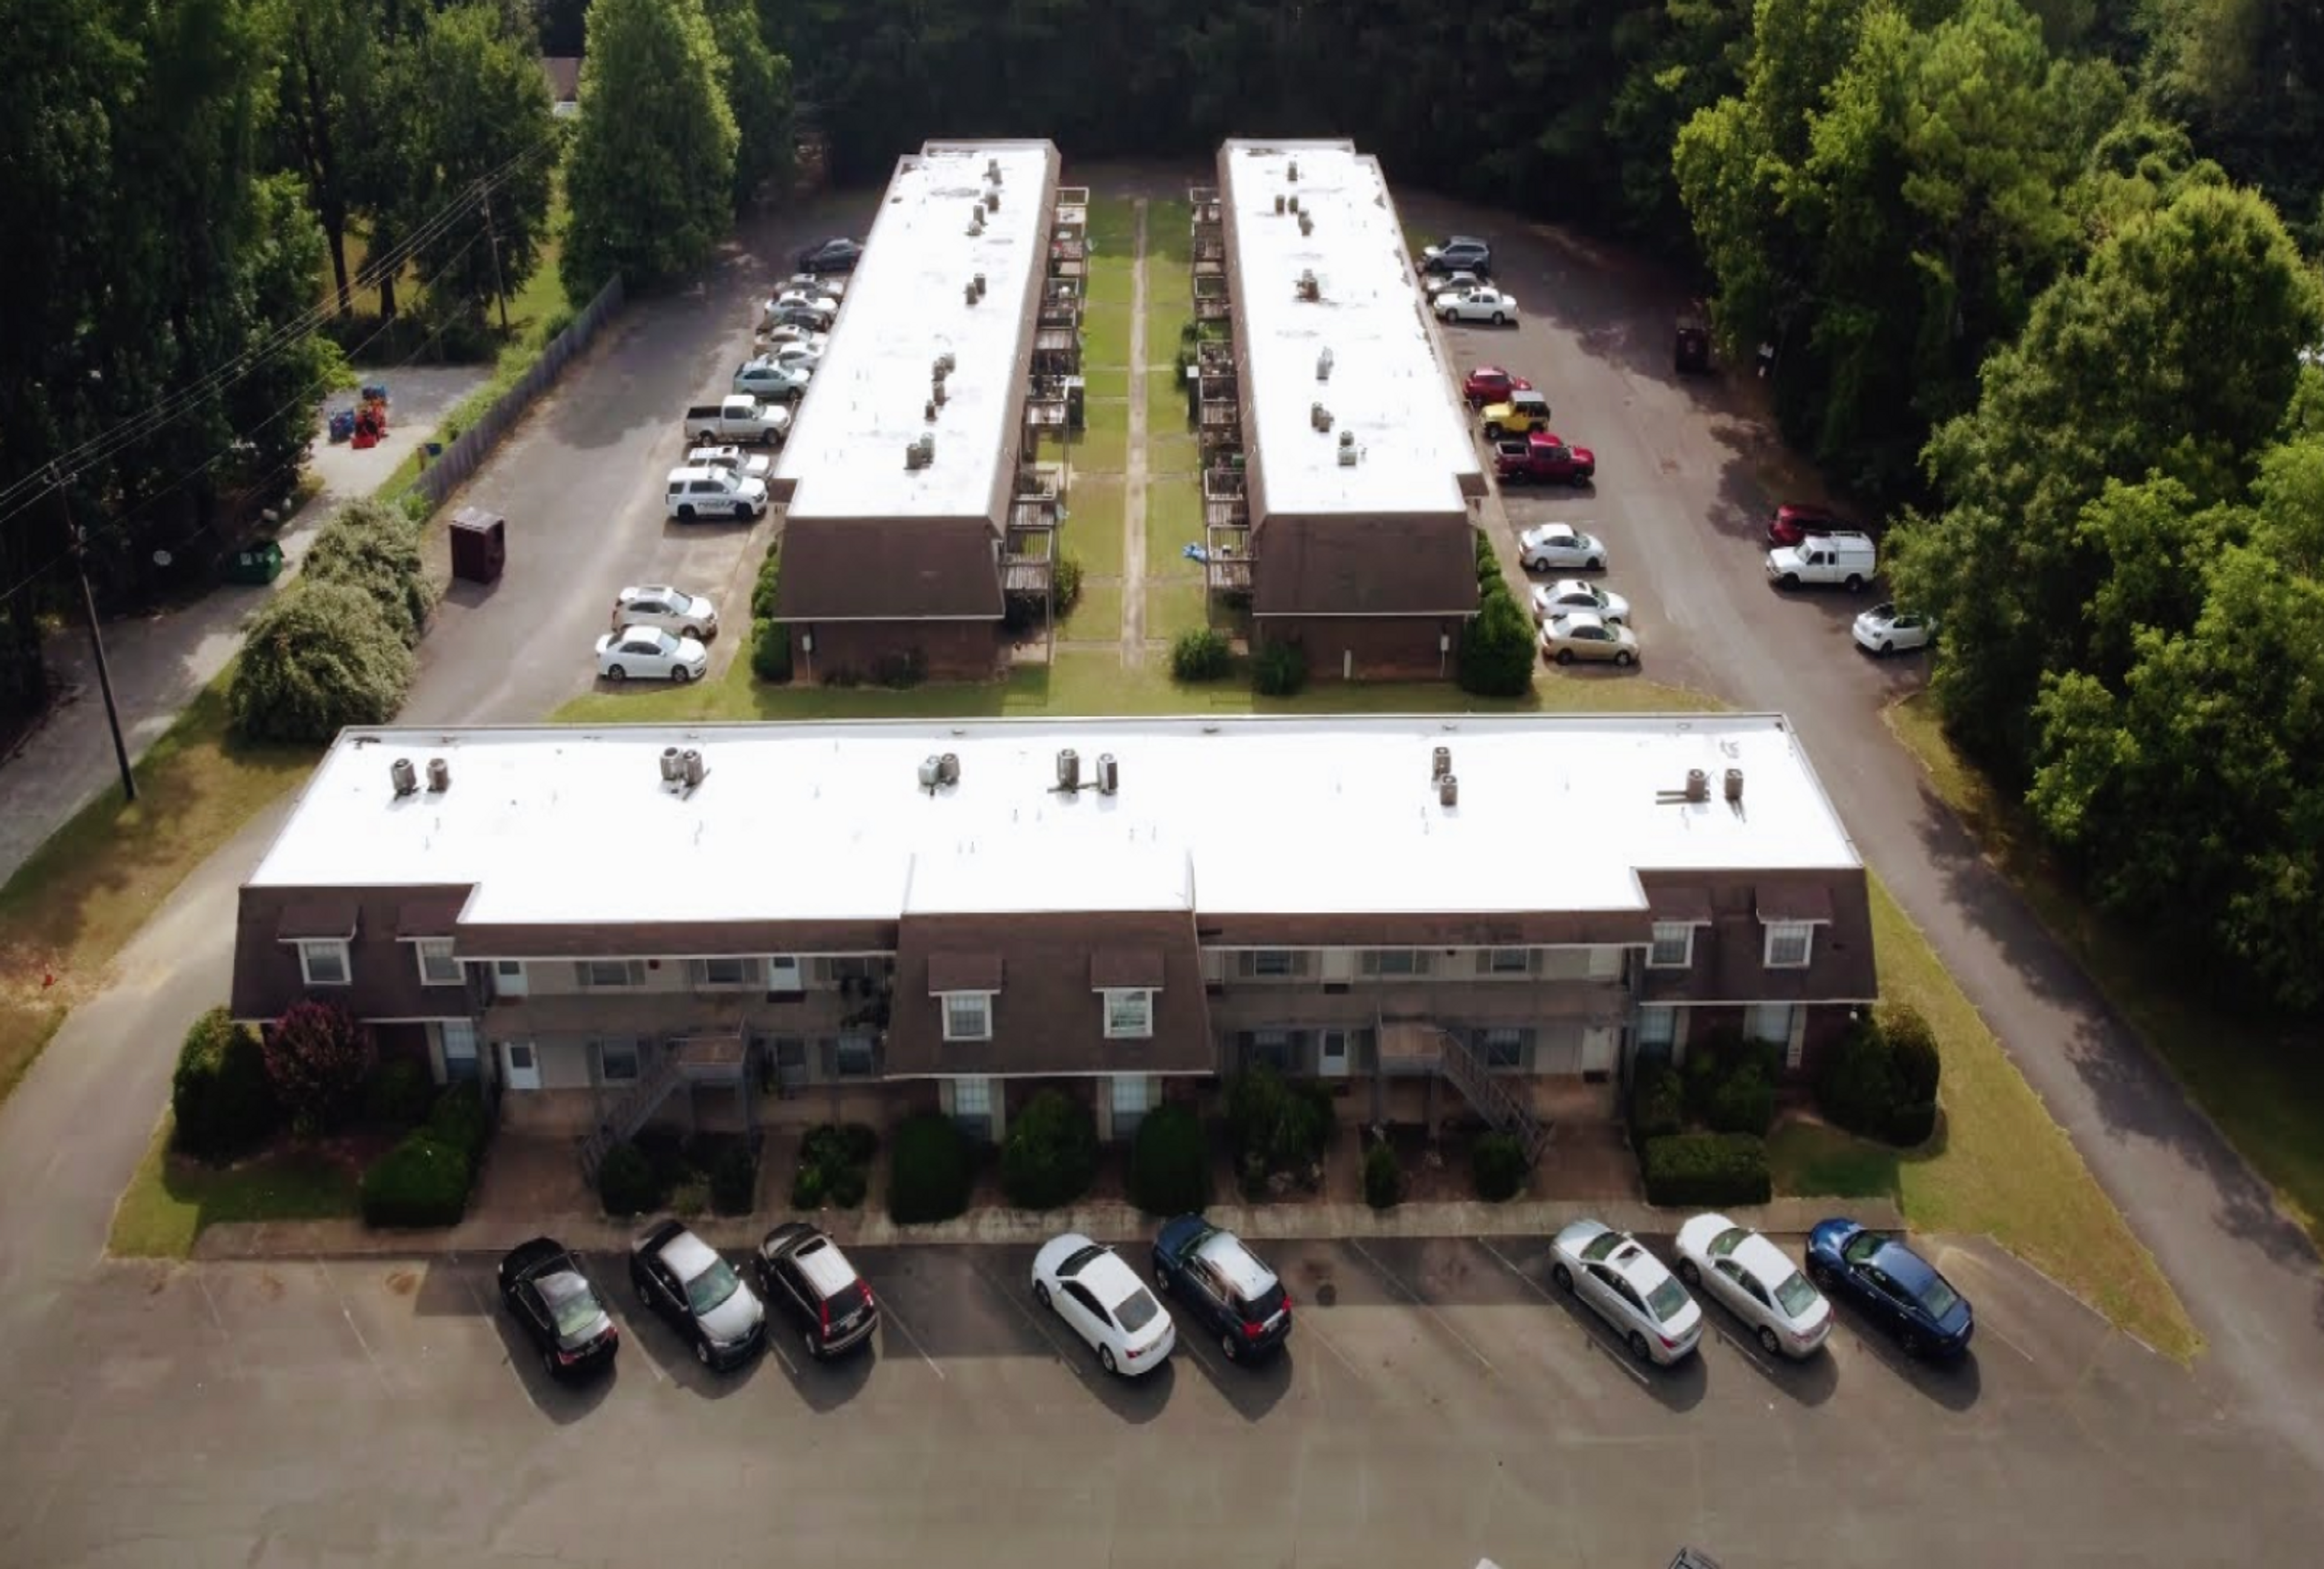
(256, 564)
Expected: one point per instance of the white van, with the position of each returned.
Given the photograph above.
(1844, 557)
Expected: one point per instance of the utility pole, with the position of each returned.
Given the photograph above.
(96, 635)
(493, 239)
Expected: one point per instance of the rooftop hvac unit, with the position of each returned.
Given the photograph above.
(1108, 774)
(1350, 453)
(948, 769)
(1309, 289)
(439, 775)
(1324, 366)
(1293, 204)
(1440, 763)
(1448, 791)
(968, 293)
(1278, 203)
(1292, 174)
(403, 776)
(691, 764)
(673, 772)
(1698, 785)
(931, 770)
(1306, 224)
(918, 454)
(1735, 787)
(992, 169)
(1069, 770)
(992, 201)
(1319, 416)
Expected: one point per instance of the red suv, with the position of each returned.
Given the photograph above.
(1491, 385)
(1795, 520)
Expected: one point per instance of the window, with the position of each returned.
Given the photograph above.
(1502, 1045)
(1130, 1103)
(1274, 963)
(438, 967)
(461, 1063)
(726, 973)
(853, 1056)
(1657, 1027)
(968, 1016)
(1128, 1015)
(617, 1062)
(1271, 1047)
(782, 973)
(972, 1107)
(1789, 944)
(606, 975)
(1770, 1022)
(1396, 962)
(324, 963)
(1508, 961)
(1673, 946)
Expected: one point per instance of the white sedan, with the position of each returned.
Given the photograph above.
(1551, 546)
(1451, 283)
(1570, 594)
(1752, 1279)
(1105, 1303)
(1629, 1288)
(1477, 305)
(649, 652)
(666, 609)
(1884, 631)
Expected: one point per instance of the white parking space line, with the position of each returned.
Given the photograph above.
(1416, 1300)
(888, 1315)
(1509, 1264)
(1747, 1346)
(218, 1320)
(782, 1355)
(1307, 1326)
(1032, 1318)
(347, 1311)
(1987, 1329)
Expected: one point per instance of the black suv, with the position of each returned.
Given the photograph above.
(803, 1272)
(1459, 254)
(1236, 1297)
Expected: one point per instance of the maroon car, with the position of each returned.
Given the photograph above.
(1542, 457)
(1795, 520)
(1491, 385)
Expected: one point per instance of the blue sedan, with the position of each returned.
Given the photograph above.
(1894, 1285)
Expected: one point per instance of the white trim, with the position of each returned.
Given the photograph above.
(306, 970)
(1162, 1073)
(1114, 996)
(419, 947)
(1686, 963)
(1788, 928)
(945, 1001)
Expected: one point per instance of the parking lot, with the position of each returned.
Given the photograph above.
(1438, 1402)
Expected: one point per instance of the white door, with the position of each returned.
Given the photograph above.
(1338, 964)
(522, 1061)
(459, 1050)
(508, 978)
(1597, 1049)
(783, 974)
(1331, 1054)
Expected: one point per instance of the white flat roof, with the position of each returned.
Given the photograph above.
(827, 821)
(904, 307)
(1388, 385)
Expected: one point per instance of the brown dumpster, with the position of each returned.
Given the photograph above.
(479, 545)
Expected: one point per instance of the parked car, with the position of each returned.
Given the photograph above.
(1458, 253)
(1223, 1285)
(832, 255)
(774, 377)
(1551, 546)
(1848, 559)
(737, 418)
(1629, 1288)
(1435, 284)
(649, 653)
(1103, 1301)
(742, 464)
(833, 285)
(802, 1272)
(1580, 635)
(1490, 384)
(811, 294)
(1886, 630)
(1795, 520)
(711, 490)
(1520, 413)
(803, 353)
(1900, 1291)
(1478, 305)
(1570, 594)
(772, 339)
(704, 1298)
(1755, 1280)
(796, 313)
(1544, 456)
(666, 609)
(549, 1294)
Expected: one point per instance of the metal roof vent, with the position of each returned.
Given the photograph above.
(939, 395)
(1735, 787)
(1309, 288)
(976, 221)
(992, 169)
(1440, 763)
(930, 414)
(968, 293)
(1069, 770)
(1293, 204)
(1319, 417)
(931, 770)
(403, 776)
(1348, 451)
(1448, 791)
(919, 454)
(1306, 224)
(947, 362)
(691, 763)
(1278, 203)
(1698, 785)
(439, 775)
(1108, 774)
(1324, 366)
(980, 285)
(992, 201)
(948, 769)
(1292, 174)
(673, 771)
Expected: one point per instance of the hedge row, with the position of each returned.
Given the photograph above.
(1707, 1169)
(425, 1180)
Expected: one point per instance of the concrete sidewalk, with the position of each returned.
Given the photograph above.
(1105, 1223)
(160, 662)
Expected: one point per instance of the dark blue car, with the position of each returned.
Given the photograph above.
(1894, 1285)
(1234, 1296)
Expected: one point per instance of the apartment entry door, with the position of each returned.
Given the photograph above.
(522, 1059)
(1331, 1054)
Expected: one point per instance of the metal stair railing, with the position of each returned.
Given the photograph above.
(629, 1114)
(1491, 1098)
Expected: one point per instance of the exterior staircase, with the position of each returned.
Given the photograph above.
(1414, 1042)
(629, 1113)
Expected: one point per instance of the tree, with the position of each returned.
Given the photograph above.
(757, 83)
(1498, 650)
(328, 78)
(319, 657)
(371, 547)
(655, 156)
(221, 1099)
(317, 1055)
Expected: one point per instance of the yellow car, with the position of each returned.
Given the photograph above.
(1525, 412)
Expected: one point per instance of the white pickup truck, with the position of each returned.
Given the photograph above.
(743, 464)
(741, 417)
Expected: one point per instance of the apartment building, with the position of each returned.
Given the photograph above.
(904, 915)
(1357, 472)
(902, 474)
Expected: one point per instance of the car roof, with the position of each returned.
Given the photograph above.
(1111, 1280)
(659, 590)
(826, 1268)
(1574, 618)
(1552, 531)
(1638, 1266)
(1901, 1265)
(1763, 1261)
(1243, 1273)
(691, 471)
(687, 1254)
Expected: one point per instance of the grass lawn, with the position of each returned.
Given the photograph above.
(1176, 605)
(1165, 399)
(1173, 520)
(86, 891)
(1112, 283)
(1105, 447)
(1105, 336)
(2001, 1165)
(1113, 225)
(1096, 616)
(1172, 451)
(1169, 294)
(1092, 533)
(169, 1200)
(1107, 385)
(1817, 1160)
(2261, 1080)
(1164, 326)
(1169, 234)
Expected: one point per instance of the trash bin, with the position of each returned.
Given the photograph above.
(1692, 353)
(257, 563)
(479, 545)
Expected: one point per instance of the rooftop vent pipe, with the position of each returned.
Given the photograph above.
(1319, 417)
(1108, 774)
(1292, 174)
(980, 285)
(930, 414)
(1324, 366)
(1069, 770)
(1440, 763)
(1278, 203)
(1306, 224)
(673, 772)
(992, 201)
(1698, 785)
(949, 361)
(968, 293)
(948, 769)
(1292, 203)
(1309, 289)
(403, 776)
(940, 394)
(1735, 787)
(992, 169)
(439, 775)
(1448, 791)
(691, 763)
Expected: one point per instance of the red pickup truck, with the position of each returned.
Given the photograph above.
(1542, 457)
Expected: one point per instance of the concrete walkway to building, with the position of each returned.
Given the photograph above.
(160, 662)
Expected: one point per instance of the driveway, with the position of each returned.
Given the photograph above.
(1682, 499)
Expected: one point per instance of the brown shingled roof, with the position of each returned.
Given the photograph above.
(888, 570)
(1364, 565)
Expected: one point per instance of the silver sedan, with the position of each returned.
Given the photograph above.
(1752, 1279)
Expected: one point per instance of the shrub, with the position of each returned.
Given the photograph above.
(771, 651)
(1912, 1049)
(318, 1056)
(625, 1182)
(421, 1182)
(1499, 649)
(1278, 670)
(373, 548)
(848, 1186)
(1497, 1162)
(764, 592)
(1658, 1104)
(1050, 1155)
(929, 1172)
(459, 1119)
(1912, 1122)
(1383, 1176)
(809, 1185)
(1711, 1057)
(1489, 564)
(319, 657)
(1881, 1081)
(1707, 1168)
(832, 1162)
(223, 1099)
(416, 505)
(1068, 588)
(397, 1094)
(1201, 654)
(1283, 1127)
(1744, 1101)
(734, 1178)
(1169, 1163)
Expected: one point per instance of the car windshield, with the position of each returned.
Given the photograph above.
(571, 1303)
(1862, 1246)
(1266, 1304)
(1666, 1300)
(1727, 1242)
(1076, 1259)
(1937, 1298)
(1796, 1296)
(1603, 1243)
(708, 1291)
(1137, 1310)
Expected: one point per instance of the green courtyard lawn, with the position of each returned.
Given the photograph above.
(1169, 235)
(1112, 281)
(1165, 399)
(1113, 225)
(1092, 533)
(171, 1200)
(1096, 616)
(1174, 450)
(1176, 605)
(1173, 520)
(1105, 336)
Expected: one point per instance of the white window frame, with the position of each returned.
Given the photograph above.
(1756, 1015)
(1802, 932)
(747, 977)
(1667, 1018)
(637, 1062)
(1662, 933)
(1123, 1025)
(785, 973)
(1129, 1100)
(982, 1001)
(585, 975)
(1260, 967)
(1493, 965)
(310, 948)
(427, 948)
(1375, 963)
(972, 1089)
